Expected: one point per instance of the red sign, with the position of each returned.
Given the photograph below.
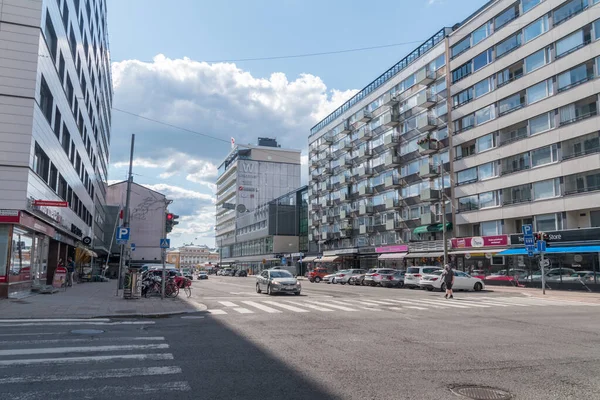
(480, 241)
(392, 249)
(9, 216)
(50, 203)
(37, 225)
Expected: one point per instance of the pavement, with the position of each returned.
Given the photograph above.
(332, 342)
(93, 300)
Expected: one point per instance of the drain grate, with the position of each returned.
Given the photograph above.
(481, 393)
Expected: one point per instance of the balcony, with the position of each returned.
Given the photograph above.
(425, 99)
(325, 219)
(363, 171)
(324, 202)
(324, 186)
(513, 134)
(582, 183)
(342, 198)
(365, 190)
(364, 209)
(392, 203)
(364, 135)
(315, 206)
(391, 119)
(431, 195)
(391, 159)
(424, 76)
(343, 128)
(326, 171)
(390, 141)
(426, 122)
(428, 171)
(344, 214)
(393, 224)
(365, 229)
(363, 116)
(428, 218)
(428, 146)
(345, 226)
(391, 181)
(389, 99)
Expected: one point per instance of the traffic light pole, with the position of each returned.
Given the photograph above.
(542, 264)
(163, 253)
(126, 211)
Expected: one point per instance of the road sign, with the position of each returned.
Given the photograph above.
(121, 241)
(283, 260)
(132, 246)
(123, 233)
(545, 262)
(527, 229)
(165, 243)
(530, 254)
(541, 245)
(528, 240)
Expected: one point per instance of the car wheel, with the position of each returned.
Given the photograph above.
(317, 279)
(269, 292)
(342, 283)
(297, 293)
(478, 286)
(430, 289)
(333, 281)
(258, 288)
(400, 284)
(443, 287)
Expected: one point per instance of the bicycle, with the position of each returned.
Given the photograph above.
(187, 288)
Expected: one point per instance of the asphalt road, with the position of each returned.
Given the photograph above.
(332, 342)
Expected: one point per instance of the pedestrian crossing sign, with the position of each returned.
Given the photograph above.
(165, 243)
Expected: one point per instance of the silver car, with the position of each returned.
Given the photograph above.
(376, 275)
(344, 277)
(277, 281)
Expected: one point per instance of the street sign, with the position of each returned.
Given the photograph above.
(121, 241)
(50, 203)
(165, 243)
(132, 246)
(123, 234)
(530, 254)
(545, 262)
(283, 260)
(528, 240)
(541, 245)
(527, 229)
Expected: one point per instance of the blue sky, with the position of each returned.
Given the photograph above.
(244, 99)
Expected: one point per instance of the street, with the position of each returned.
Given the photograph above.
(332, 342)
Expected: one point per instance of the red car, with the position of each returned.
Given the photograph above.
(317, 274)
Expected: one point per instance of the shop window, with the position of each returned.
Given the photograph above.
(21, 257)
(4, 241)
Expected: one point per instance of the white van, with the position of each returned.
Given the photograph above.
(414, 274)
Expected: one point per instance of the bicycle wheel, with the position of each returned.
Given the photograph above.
(171, 290)
(188, 291)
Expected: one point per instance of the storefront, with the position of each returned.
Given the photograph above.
(392, 256)
(367, 258)
(479, 255)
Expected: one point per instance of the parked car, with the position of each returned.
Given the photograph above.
(511, 275)
(462, 281)
(344, 276)
(228, 272)
(376, 275)
(241, 272)
(330, 278)
(394, 280)
(317, 274)
(274, 281)
(358, 279)
(414, 274)
(552, 275)
(202, 275)
(188, 273)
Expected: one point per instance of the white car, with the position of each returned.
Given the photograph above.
(413, 275)
(331, 277)
(462, 281)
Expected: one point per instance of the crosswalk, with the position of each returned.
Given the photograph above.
(408, 304)
(75, 359)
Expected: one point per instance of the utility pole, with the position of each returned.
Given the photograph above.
(163, 253)
(126, 212)
(443, 209)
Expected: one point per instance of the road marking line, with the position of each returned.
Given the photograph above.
(78, 360)
(411, 302)
(443, 303)
(332, 305)
(366, 303)
(261, 307)
(217, 312)
(311, 306)
(285, 306)
(2, 321)
(88, 340)
(110, 373)
(63, 350)
(387, 303)
(107, 391)
(243, 310)
(78, 323)
(228, 304)
(492, 302)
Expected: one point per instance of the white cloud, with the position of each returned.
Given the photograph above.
(179, 193)
(433, 2)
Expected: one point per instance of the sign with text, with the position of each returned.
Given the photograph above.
(60, 276)
(50, 203)
(392, 249)
(9, 216)
(572, 235)
(479, 241)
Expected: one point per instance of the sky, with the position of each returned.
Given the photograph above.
(184, 86)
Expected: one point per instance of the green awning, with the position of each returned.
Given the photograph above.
(432, 228)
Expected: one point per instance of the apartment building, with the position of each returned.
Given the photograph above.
(376, 167)
(250, 176)
(525, 131)
(55, 102)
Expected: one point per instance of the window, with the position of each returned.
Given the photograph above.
(463, 97)
(485, 114)
(485, 142)
(569, 43)
(536, 60)
(70, 92)
(529, 4)
(544, 155)
(482, 60)
(548, 222)
(464, 123)
(595, 218)
(511, 103)
(468, 203)
(50, 35)
(535, 29)
(467, 176)
(57, 123)
(46, 100)
(597, 29)
(508, 45)
(546, 189)
(461, 72)
(41, 163)
(490, 228)
(488, 199)
(73, 43)
(506, 16)
(53, 178)
(539, 91)
(441, 109)
(480, 33)
(461, 46)
(487, 171)
(482, 87)
(72, 156)
(574, 76)
(66, 139)
(568, 10)
(541, 123)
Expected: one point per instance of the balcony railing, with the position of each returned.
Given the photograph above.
(579, 118)
(581, 189)
(582, 153)
(514, 169)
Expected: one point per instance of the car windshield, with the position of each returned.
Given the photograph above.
(372, 271)
(438, 272)
(413, 270)
(281, 274)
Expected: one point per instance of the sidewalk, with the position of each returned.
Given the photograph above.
(91, 300)
(550, 294)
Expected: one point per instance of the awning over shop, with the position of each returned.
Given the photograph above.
(433, 254)
(476, 250)
(432, 228)
(83, 255)
(554, 250)
(392, 256)
(310, 259)
(328, 259)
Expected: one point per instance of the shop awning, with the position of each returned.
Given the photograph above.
(392, 256)
(432, 228)
(310, 259)
(433, 254)
(554, 250)
(482, 251)
(328, 259)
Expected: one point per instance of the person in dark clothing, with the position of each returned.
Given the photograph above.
(448, 277)
(70, 270)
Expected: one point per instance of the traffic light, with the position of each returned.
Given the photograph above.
(540, 236)
(170, 221)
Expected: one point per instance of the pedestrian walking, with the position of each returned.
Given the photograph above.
(70, 270)
(448, 276)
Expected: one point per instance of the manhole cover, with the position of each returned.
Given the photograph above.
(482, 393)
(87, 331)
